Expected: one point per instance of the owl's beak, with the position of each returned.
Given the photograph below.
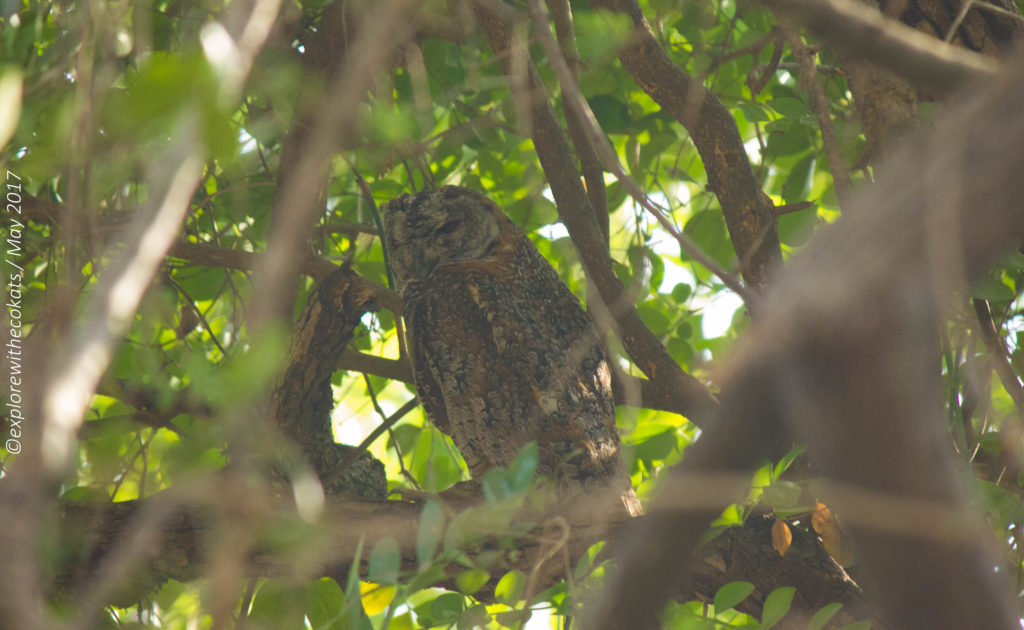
(424, 263)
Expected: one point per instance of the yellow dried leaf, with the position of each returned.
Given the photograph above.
(782, 538)
(833, 540)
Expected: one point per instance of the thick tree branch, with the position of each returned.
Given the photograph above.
(575, 210)
(179, 544)
(301, 402)
(748, 211)
(590, 164)
(864, 32)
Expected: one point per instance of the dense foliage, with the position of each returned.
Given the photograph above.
(101, 101)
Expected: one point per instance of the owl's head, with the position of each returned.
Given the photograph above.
(436, 228)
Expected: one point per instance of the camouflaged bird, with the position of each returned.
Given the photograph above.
(503, 353)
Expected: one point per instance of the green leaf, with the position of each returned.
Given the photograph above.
(857, 625)
(278, 604)
(168, 594)
(789, 107)
(430, 532)
(444, 64)
(798, 182)
(471, 581)
(787, 460)
(522, 470)
(85, 494)
(694, 623)
(681, 292)
(512, 618)
(10, 102)
(446, 608)
(496, 485)
(385, 560)
(657, 447)
(652, 314)
(753, 112)
(325, 602)
(732, 594)
(681, 350)
(431, 576)
(432, 462)
(776, 605)
(788, 137)
(473, 617)
(510, 588)
(611, 113)
(707, 228)
(600, 33)
(823, 615)
(781, 494)
(991, 288)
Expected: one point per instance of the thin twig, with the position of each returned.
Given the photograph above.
(376, 433)
(590, 163)
(767, 71)
(368, 193)
(809, 80)
(794, 207)
(1000, 358)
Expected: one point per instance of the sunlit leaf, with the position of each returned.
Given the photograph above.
(324, 604)
(471, 581)
(822, 616)
(10, 102)
(280, 605)
(731, 594)
(376, 597)
(510, 587)
(776, 605)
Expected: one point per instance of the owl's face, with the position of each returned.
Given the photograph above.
(437, 228)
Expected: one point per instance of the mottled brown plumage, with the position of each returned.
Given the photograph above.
(502, 351)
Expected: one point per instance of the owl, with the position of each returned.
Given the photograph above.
(503, 354)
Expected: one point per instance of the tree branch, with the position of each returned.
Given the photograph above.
(574, 208)
(1000, 358)
(809, 81)
(864, 32)
(595, 138)
(179, 539)
(748, 211)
